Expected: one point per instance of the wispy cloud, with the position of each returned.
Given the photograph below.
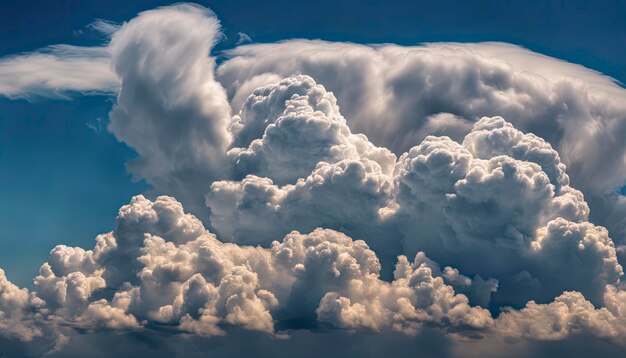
(104, 26)
(57, 71)
(243, 38)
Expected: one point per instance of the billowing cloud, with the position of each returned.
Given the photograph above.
(15, 319)
(317, 186)
(489, 205)
(169, 108)
(182, 277)
(398, 95)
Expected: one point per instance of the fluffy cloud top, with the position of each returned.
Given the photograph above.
(490, 206)
(398, 95)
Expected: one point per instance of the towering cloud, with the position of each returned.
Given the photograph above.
(491, 206)
(169, 108)
(398, 95)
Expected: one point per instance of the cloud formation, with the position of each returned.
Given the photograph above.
(57, 71)
(437, 199)
(180, 276)
(169, 108)
(398, 95)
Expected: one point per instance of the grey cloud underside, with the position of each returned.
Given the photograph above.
(423, 208)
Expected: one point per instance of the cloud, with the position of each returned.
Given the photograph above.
(56, 72)
(570, 313)
(104, 26)
(15, 320)
(243, 38)
(183, 278)
(169, 108)
(500, 194)
(467, 203)
(200, 285)
(393, 94)
(397, 96)
(308, 129)
(438, 201)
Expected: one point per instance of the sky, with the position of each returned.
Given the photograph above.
(142, 111)
(576, 31)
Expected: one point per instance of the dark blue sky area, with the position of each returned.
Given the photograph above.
(62, 182)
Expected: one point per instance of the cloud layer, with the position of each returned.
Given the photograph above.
(424, 206)
(56, 71)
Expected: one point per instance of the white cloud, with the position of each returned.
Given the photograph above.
(56, 71)
(290, 127)
(169, 108)
(569, 314)
(483, 205)
(396, 96)
(16, 320)
(190, 280)
(104, 26)
(243, 38)
(393, 93)
(202, 285)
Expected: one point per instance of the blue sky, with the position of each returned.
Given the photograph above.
(63, 182)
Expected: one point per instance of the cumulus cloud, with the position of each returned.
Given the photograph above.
(498, 206)
(569, 314)
(183, 277)
(440, 197)
(191, 280)
(482, 205)
(398, 95)
(16, 318)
